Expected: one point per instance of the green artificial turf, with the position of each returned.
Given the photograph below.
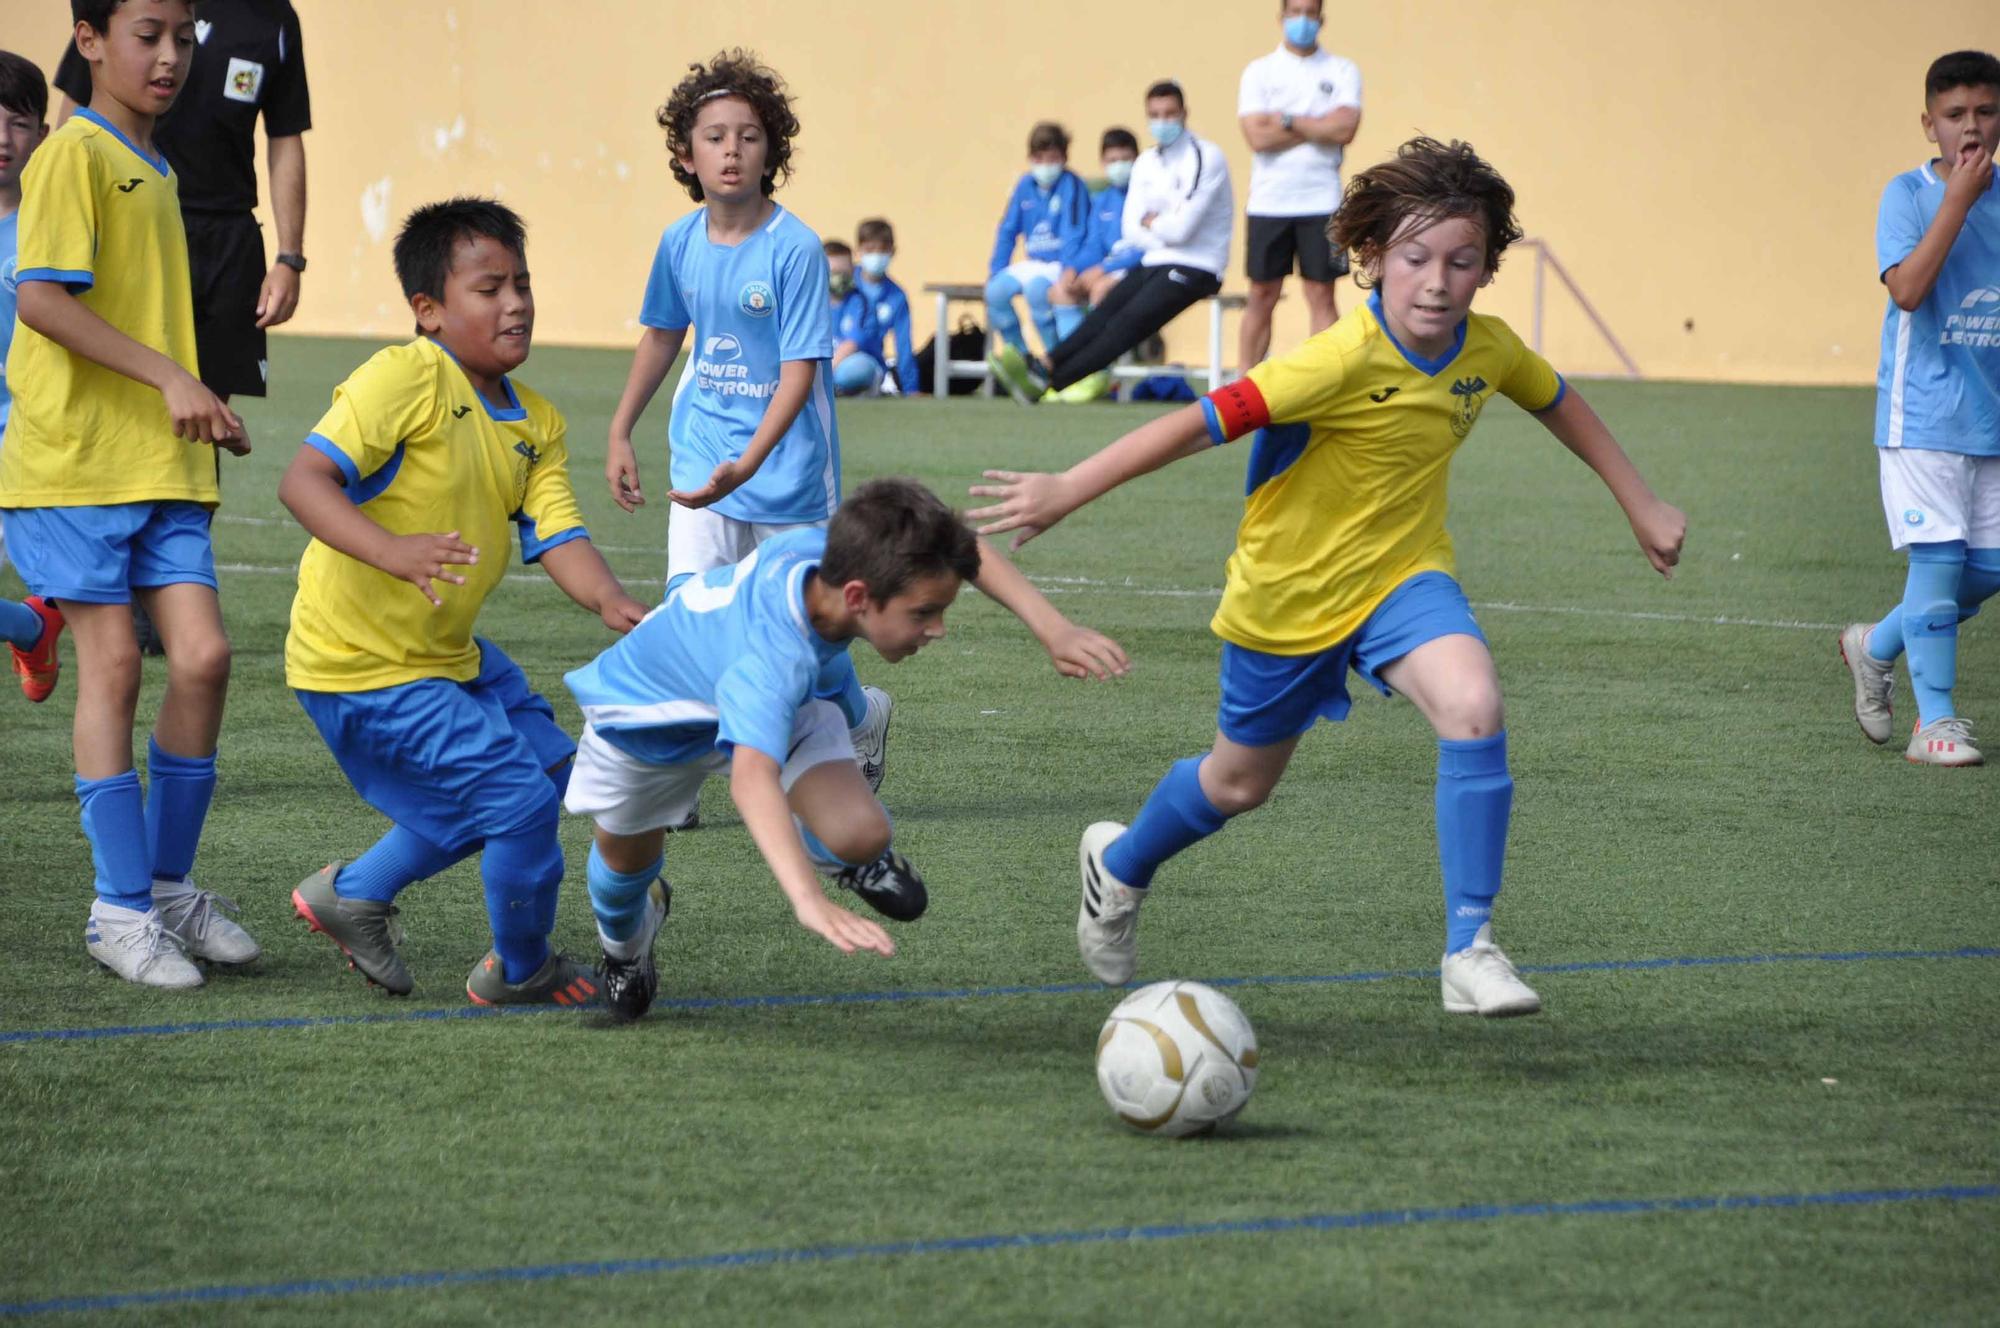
(1690, 783)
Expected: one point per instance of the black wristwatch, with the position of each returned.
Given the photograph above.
(296, 262)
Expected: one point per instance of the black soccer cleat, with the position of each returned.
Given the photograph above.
(631, 984)
(889, 885)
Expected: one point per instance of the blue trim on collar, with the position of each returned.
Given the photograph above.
(157, 161)
(513, 413)
(1429, 367)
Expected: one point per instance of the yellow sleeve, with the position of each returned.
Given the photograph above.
(1531, 383)
(1303, 385)
(59, 215)
(549, 515)
(384, 403)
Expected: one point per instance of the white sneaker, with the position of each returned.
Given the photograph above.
(195, 917)
(871, 739)
(137, 948)
(1107, 924)
(1480, 979)
(1946, 741)
(1872, 679)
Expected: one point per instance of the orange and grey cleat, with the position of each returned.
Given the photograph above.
(39, 666)
(559, 981)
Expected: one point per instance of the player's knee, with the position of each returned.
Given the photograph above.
(1235, 792)
(1473, 710)
(1000, 290)
(201, 663)
(1262, 297)
(859, 839)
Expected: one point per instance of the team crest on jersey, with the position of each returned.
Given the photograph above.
(757, 300)
(1466, 406)
(528, 450)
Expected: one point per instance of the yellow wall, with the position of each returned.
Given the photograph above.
(1708, 171)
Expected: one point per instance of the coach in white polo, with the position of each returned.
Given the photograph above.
(1299, 106)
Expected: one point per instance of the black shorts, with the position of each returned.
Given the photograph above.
(1275, 241)
(226, 262)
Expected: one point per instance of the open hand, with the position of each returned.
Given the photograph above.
(1662, 530)
(723, 481)
(848, 931)
(1078, 652)
(621, 472)
(1029, 503)
(422, 559)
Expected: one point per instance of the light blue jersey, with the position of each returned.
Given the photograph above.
(1939, 384)
(892, 319)
(754, 306)
(728, 659)
(10, 236)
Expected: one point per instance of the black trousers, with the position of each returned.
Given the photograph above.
(1147, 300)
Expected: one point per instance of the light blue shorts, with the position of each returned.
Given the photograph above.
(100, 555)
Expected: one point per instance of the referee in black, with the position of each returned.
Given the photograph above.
(249, 60)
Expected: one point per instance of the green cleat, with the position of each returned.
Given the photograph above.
(1012, 370)
(1086, 390)
(364, 929)
(560, 981)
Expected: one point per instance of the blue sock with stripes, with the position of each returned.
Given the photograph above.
(114, 821)
(397, 860)
(19, 625)
(179, 790)
(1475, 796)
(619, 898)
(1177, 813)
(1930, 625)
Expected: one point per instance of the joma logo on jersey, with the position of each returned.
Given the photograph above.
(129, 185)
(527, 450)
(1468, 392)
(461, 412)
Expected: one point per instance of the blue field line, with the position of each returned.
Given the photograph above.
(966, 993)
(827, 1254)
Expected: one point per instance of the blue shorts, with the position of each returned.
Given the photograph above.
(100, 555)
(1267, 699)
(452, 762)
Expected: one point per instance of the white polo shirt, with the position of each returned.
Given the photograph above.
(1185, 188)
(1303, 180)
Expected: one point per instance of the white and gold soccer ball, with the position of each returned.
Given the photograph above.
(1176, 1058)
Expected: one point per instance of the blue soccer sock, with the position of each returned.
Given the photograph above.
(1885, 638)
(1069, 317)
(522, 873)
(1177, 813)
(397, 860)
(1978, 582)
(179, 789)
(114, 821)
(619, 898)
(19, 625)
(1930, 625)
(1475, 796)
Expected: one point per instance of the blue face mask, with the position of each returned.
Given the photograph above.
(1046, 173)
(1301, 31)
(873, 264)
(1165, 132)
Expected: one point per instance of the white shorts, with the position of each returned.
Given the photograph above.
(701, 538)
(1033, 269)
(627, 796)
(1930, 497)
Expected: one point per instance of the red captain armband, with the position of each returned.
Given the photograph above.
(1234, 410)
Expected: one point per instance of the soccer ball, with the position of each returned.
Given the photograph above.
(1176, 1058)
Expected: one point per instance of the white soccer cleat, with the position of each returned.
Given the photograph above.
(137, 948)
(1480, 979)
(871, 739)
(195, 917)
(1946, 741)
(1107, 924)
(1871, 682)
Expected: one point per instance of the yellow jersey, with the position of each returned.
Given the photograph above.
(423, 453)
(103, 219)
(1346, 491)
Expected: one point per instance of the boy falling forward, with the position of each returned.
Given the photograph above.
(409, 485)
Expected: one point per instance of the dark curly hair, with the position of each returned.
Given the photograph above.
(734, 73)
(1424, 183)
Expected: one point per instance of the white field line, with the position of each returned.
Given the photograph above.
(1073, 585)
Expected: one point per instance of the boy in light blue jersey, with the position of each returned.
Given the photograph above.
(1048, 213)
(742, 671)
(1937, 409)
(875, 248)
(1101, 261)
(754, 447)
(29, 627)
(856, 372)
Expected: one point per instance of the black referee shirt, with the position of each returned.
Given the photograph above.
(248, 59)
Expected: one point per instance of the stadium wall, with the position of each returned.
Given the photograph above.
(1709, 171)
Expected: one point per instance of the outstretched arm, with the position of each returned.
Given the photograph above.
(1076, 651)
(580, 570)
(1661, 527)
(1031, 503)
(753, 784)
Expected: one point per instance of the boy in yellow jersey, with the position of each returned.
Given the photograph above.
(410, 486)
(1342, 560)
(108, 481)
